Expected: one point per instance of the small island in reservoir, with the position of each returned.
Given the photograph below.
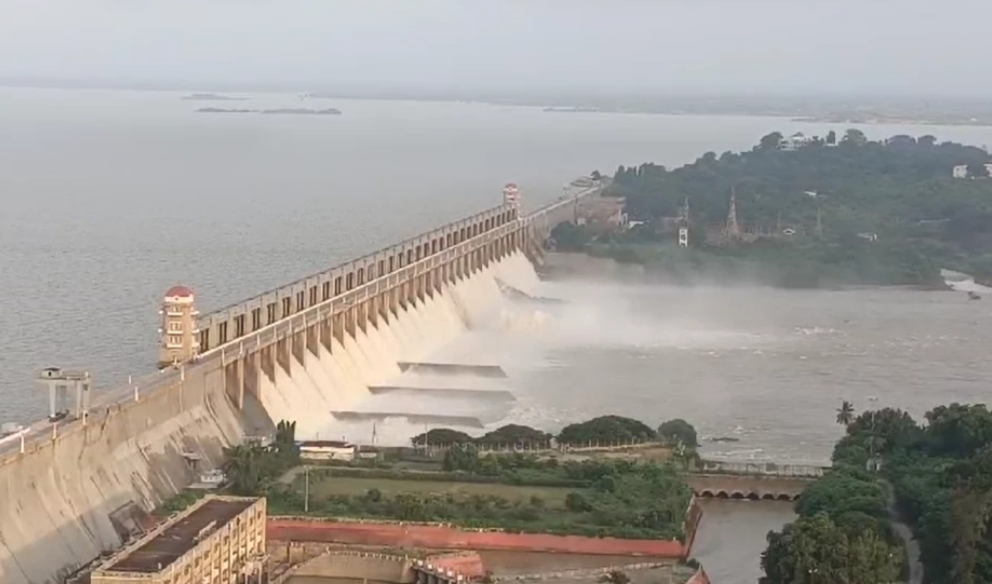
(284, 111)
(575, 109)
(211, 97)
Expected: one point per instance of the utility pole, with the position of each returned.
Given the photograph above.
(306, 489)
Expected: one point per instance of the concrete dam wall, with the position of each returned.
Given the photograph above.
(337, 378)
(78, 488)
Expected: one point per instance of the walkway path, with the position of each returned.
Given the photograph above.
(910, 545)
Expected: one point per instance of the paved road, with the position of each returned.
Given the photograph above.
(912, 548)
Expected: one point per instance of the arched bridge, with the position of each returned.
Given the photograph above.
(715, 486)
(753, 481)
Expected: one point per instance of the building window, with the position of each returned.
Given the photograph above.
(256, 319)
(175, 340)
(239, 325)
(222, 332)
(337, 286)
(313, 295)
(300, 301)
(382, 267)
(361, 276)
(175, 326)
(349, 281)
(271, 312)
(326, 290)
(287, 306)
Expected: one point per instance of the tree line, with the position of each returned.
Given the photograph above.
(862, 211)
(936, 475)
(600, 498)
(600, 431)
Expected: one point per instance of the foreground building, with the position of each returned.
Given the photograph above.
(219, 540)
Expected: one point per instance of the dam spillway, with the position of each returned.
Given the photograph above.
(76, 488)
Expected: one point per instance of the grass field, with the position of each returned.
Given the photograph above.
(327, 486)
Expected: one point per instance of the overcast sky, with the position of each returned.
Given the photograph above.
(635, 46)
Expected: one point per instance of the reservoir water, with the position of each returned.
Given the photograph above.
(107, 198)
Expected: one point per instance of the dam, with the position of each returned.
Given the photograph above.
(75, 486)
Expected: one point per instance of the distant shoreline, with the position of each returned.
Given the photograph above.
(211, 97)
(278, 111)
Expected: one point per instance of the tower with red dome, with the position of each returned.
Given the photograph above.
(511, 195)
(179, 339)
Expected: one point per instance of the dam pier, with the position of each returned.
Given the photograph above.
(79, 483)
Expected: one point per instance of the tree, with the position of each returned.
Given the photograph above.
(516, 435)
(814, 550)
(606, 430)
(615, 577)
(686, 456)
(831, 137)
(441, 437)
(770, 141)
(244, 468)
(463, 457)
(977, 170)
(568, 236)
(845, 413)
(854, 137)
(841, 492)
(678, 430)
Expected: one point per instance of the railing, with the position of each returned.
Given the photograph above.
(101, 404)
(321, 311)
(762, 468)
(208, 318)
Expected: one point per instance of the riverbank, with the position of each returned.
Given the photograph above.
(798, 267)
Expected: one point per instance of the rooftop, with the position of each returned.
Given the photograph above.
(178, 292)
(159, 552)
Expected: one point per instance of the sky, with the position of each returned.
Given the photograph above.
(638, 47)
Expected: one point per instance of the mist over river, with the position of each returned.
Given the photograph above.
(110, 197)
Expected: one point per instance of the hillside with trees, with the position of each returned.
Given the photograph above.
(850, 211)
(935, 477)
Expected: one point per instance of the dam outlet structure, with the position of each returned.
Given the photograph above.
(75, 487)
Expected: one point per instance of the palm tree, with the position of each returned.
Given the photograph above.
(845, 413)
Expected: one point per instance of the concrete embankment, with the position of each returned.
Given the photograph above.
(66, 500)
(447, 537)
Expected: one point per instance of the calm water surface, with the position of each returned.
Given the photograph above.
(107, 198)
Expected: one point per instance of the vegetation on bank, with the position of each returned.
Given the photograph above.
(517, 491)
(937, 476)
(858, 212)
(600, 431)
(623, 498)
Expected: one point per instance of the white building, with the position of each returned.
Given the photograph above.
(795, 142)
(961, 170)
(326, 450)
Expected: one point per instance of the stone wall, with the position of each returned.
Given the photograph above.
(405, 535)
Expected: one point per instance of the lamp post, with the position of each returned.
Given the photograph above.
(872, 466)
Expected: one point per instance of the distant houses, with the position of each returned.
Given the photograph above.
(961, 170)
(795, 142)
